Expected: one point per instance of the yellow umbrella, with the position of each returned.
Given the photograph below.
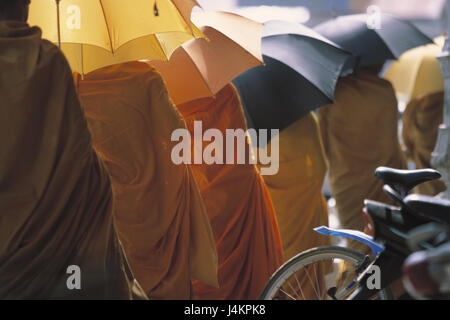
(97, 33)
(418, 72)
(201, 68)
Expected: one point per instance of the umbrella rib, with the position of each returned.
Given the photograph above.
(231, 40)
(198, 70)
(160, 45)
(322, 39)
(195, 3)
(332, 47)
(385, 43)
(315, 86)
(107, 26)
(244, 49)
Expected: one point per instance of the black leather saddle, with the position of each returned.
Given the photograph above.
(436, 208)
(404, 181)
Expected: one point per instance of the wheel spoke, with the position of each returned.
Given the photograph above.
(292, 288)
(317, 281)
(315, 263)
(287, 294)
(307, 274)
(299, 286)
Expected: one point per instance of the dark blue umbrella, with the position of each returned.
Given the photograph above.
(301, 72)
(369, 44)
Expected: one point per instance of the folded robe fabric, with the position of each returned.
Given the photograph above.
(238, 205)
(359, 133)
(421, 121)
(296, 189)
(55, 194)
(159, 212)
(300, 206)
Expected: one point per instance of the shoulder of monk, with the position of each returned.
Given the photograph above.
(52, 55)
(135, 71)
(148, 75)
(49, 49)
(143, 70)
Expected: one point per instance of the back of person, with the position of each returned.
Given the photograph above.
(296, 189)
(359, 132)
(159, 212)
(238, 205)
(421, 121)
(57, 239)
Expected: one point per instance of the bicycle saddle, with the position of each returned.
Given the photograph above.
(405, 180)
(435, 208)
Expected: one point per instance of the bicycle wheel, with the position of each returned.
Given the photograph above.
(317, 274)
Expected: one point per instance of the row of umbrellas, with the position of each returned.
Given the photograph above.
(282, 70)
(97, 33)
(418, 73)
(319, 57)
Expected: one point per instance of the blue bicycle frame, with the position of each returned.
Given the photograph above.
(352, 234)
(355, 235)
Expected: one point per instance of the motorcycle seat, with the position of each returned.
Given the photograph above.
(436, 208)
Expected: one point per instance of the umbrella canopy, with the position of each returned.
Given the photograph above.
(200, 68)
(301, 73)
(316, 58)
(372, 46)
(417, 73)
(98, 33)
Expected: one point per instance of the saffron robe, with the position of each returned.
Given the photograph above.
(360, 133)
(55, 193)
(159, 212)
(421, 121)
(238, 205)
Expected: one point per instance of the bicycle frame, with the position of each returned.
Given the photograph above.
(377, 249)
(388, 261)
(352, 234)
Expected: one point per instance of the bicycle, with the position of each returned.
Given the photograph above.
(287, 281)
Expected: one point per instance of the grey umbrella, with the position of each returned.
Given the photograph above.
(301, 72)
(369, 45)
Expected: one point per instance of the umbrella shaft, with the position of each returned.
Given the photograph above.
(58, 23)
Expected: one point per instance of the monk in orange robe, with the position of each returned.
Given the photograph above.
(57, 239)
(159, 212)
(238, 205)
(360, 133)
(296, 189)
(421, 121)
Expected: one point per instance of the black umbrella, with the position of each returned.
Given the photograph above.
(369, 45)
(300, 75)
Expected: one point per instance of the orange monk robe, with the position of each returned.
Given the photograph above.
(159, 212)
(55, 193)
(238, 205)
(296, 189)
(300, 206)
(360, 133)
(421, 121)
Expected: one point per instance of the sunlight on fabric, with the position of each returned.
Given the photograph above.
(266, 13)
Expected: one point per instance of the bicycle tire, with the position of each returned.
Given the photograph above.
(310, 256)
